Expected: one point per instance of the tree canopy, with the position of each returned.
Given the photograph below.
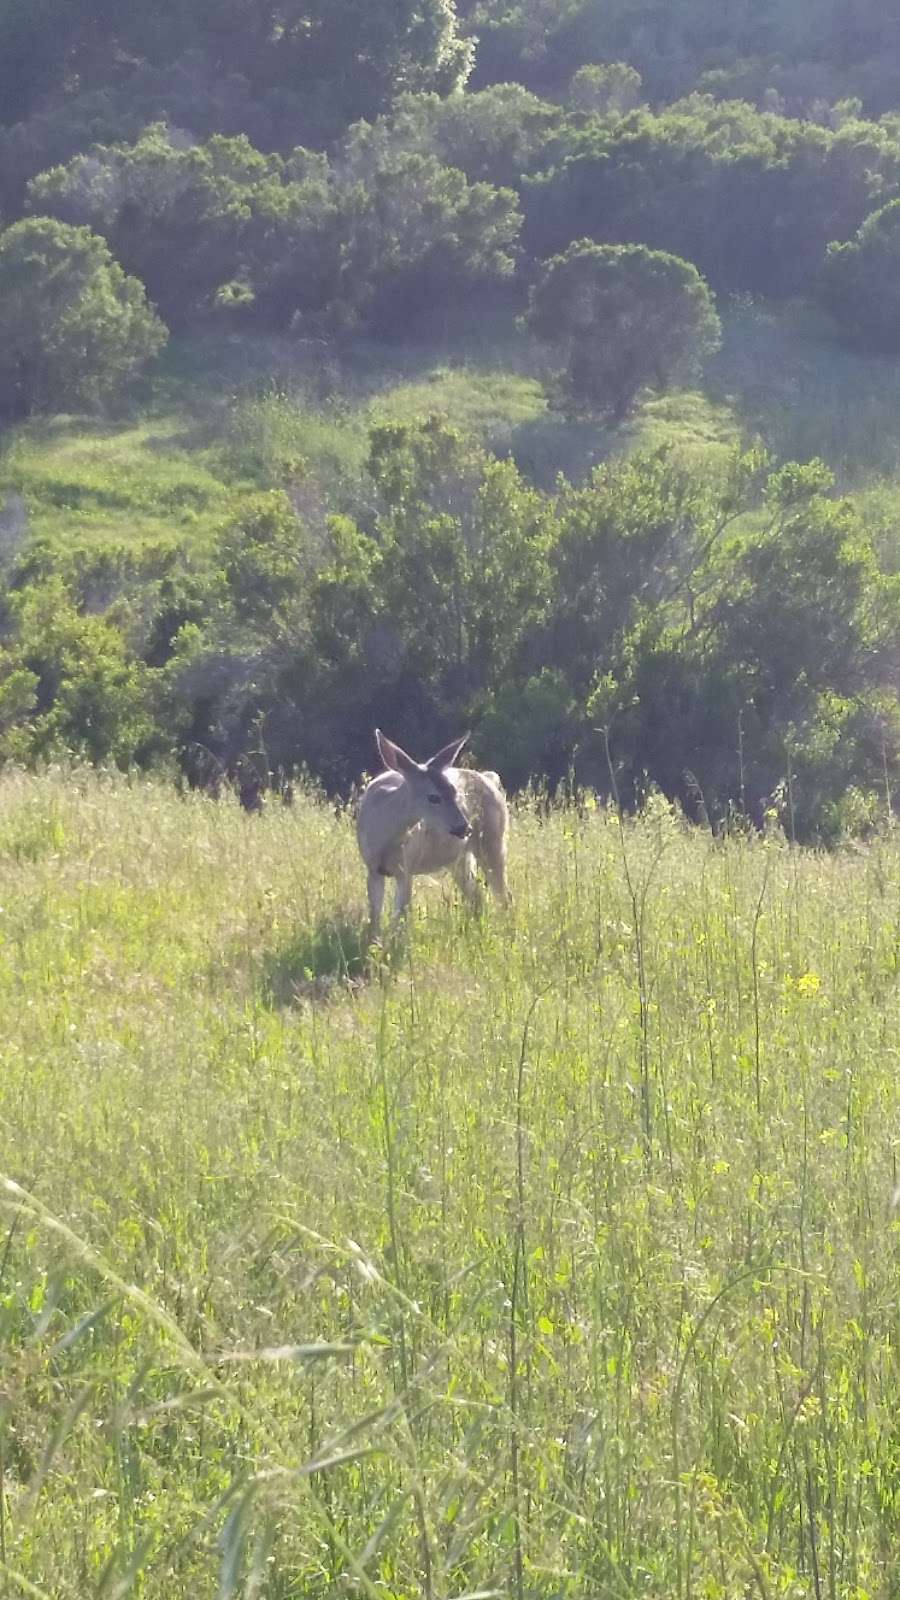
(309, 186)
(860, 281)
(73, 326)
(625, 317)
(348, 56)
(277, 237)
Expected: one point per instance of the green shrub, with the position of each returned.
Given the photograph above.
(73, 327)
(860, 282)
(625, 317)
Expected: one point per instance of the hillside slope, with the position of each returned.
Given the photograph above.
(226, 417)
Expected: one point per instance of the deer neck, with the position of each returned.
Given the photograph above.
(406, 813)
(399, 825)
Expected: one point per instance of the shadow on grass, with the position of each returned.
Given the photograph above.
(331, 957)
(553, 444)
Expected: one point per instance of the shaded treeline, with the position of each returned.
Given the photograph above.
(319, 169)
(727, 634)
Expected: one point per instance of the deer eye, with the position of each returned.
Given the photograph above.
(435, 799)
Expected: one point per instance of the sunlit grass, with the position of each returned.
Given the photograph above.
(486, 404)
(228, 416)
(546, 1252)
(89, 483)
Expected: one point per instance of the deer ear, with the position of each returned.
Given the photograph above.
(394, 756)
(446, 757)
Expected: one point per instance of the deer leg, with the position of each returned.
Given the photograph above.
(464, 873)
(376, 899)
(494, 869)
(404, 894)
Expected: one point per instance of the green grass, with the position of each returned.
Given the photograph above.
(227, 417)
(879, 504)
(549, 1253)
(139, 483)
(790, 381)
(279, 432)
(279, 437)
(224, 416)
(489, 405)
(165, 480)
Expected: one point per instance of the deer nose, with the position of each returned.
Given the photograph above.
(461, 832)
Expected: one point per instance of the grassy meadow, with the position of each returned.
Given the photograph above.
(546, 1252)
(226, 416)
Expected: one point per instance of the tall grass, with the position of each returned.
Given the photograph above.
(549, 1252)
(281, 437)
(282, 431)
(794, 384)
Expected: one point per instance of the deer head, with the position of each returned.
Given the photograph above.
(432, 788)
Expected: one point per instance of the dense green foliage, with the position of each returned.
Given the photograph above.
(275, 239)
(751, 198)
(496, 136)
(348, 57)
(681, 612)
(604, 90)
(316, 176)
(810, 52)
(860, 282)
(625, 317)
(73, 327)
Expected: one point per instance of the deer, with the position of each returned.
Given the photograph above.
(424, 817)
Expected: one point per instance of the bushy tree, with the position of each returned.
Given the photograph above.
(860, 281)
(429, 611)
(419, 620)
(495, 135)
(625, 317)
(771, 674)
(527, 41)
(336, 60)
(634, 540)
(196, 95)
(191, 220)
(416, 234)
(751, 198)
(359, 54)
(853, 43)
(463, 553)
(73, 326)
(89, 694)
(262, 556)
(530, 725)
(605, 89)
(223, 227)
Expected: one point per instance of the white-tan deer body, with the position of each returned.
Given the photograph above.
(423, 817)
